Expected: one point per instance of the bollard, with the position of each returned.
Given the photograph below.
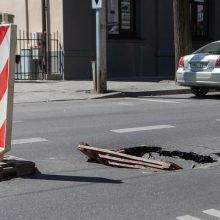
(7, 69)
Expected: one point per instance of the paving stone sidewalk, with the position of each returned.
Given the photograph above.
(46, 91)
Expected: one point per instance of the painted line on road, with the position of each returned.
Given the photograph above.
(156, 100)
(212, 212)
(187, 217)
(148, 128)
(28, 141)
(217, 119)
(17, 122)
(126, 103)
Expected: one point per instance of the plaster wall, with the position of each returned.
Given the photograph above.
(17, 8)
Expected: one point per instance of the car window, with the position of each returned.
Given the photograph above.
(212, 48)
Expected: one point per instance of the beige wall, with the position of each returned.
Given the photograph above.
(56, 17)
(35, 15)
(17, 8)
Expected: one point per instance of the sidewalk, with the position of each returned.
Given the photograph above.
(46, 91)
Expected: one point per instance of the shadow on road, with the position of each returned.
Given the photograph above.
(170, 97)
(209, 96)
(65, 178)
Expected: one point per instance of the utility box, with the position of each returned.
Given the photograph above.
(36, 38)
(6, 18)
(26, 61)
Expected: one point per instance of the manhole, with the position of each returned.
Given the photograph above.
(183, 159)
(147, 157)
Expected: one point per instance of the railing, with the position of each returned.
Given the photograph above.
(39, 60)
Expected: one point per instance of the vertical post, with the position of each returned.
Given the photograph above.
(101, 44)
(27, 18)
(44, 41)
(98, 50)
(93, 63)
(7, 69)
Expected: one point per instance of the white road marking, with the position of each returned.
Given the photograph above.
(16, 122)
(126, 103)
(28, 141)
(156, 100)
(217, 119)
(187, 217)
(212, 212)
(148, 128)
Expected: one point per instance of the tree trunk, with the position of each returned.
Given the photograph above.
(182, 30)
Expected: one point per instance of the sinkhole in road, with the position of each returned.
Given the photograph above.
(183, 159)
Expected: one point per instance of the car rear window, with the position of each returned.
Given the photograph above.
(212, 48)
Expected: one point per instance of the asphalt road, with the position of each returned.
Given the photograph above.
(68, 187)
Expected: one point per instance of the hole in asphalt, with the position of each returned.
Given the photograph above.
(183, 159)
(140, 151)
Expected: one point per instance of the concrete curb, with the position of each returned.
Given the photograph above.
(143, 93)
(108, 95)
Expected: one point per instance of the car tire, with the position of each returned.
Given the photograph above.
(199, 91)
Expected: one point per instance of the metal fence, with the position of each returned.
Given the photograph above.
(40, 57)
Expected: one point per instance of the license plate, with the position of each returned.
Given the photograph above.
(189, 76)
(198, 65)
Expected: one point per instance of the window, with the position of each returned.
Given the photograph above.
(199, 19)
(121, 18)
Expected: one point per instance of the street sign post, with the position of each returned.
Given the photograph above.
(7, 68)
(101, 45)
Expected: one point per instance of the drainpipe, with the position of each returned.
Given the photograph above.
(44, 40)
(27, 18)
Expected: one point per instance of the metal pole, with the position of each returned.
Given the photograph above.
(98, 50)
(101, 48)
(27, 19)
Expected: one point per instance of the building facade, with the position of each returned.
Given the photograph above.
(140, 33)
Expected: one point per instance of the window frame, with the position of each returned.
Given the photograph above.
(122, 33)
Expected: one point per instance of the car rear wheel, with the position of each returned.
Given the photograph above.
(199, 91)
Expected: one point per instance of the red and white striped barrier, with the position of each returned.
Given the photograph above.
(7, 68)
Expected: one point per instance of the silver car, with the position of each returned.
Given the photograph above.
(200, 70)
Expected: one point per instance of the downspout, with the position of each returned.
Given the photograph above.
(27, 18)
(44, 38)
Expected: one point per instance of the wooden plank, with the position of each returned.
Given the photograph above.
(125, 165)
(131, 162)
(103, 156)
(126, 156)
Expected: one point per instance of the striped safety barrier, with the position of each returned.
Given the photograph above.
(7, 68)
